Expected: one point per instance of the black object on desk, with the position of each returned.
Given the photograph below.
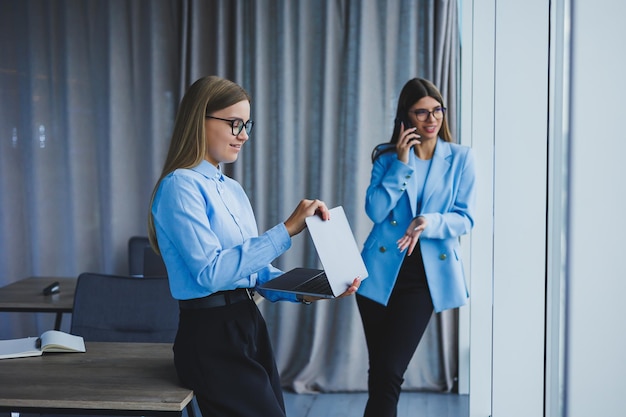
(53, 288)
(26, 296)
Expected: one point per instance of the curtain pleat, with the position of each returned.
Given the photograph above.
(89, 94)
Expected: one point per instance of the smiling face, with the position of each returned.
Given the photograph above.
(221, 144)
(428, 129)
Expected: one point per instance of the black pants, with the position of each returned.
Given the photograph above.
(224, 354)
(392, 334)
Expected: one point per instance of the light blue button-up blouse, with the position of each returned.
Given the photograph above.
(208, 236)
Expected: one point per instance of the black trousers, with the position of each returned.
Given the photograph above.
(392, 334)
(224, 354)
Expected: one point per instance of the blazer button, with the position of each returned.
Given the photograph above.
(443, 256)
(382, 249)
(394, 223)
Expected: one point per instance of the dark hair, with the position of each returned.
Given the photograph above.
(412, 92)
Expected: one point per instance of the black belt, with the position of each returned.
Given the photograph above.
(218, 299)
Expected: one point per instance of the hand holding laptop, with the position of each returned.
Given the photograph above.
(343, 268)
(307, 208)
(351, 290)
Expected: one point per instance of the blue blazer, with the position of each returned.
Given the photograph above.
(448, 203)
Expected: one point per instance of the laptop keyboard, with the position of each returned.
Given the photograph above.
(317, 285)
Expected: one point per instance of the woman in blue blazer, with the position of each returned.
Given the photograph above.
(421, 199)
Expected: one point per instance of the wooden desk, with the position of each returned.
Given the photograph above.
(26, 296)
(110, 378)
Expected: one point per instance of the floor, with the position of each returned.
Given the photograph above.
(412, 404)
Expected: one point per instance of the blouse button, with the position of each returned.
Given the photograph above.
(382, 249)
(443, 256)
(394, 223)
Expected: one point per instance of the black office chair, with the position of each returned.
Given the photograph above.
(113, 308)
(143, 261)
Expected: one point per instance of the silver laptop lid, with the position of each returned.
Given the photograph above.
(337, 249)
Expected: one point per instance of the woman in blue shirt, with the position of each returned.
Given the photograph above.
(420, 198)
(202, 223)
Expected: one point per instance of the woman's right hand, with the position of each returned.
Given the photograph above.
(406, 140)
(306, 208)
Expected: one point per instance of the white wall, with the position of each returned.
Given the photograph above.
(522, 233)
(520, 143)
(509, 125)
(596, 333)
(477, 130)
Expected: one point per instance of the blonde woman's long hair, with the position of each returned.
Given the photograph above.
(188, 145)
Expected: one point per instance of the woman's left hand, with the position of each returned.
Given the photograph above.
(412, 234)
(351, 290)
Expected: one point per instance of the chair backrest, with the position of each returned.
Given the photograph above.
(136, 249)
(112, 308)
(143, 261)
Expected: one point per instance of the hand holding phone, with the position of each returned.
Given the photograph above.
(407, 125)
(407, 138)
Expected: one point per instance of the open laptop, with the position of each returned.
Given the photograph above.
(339, 254)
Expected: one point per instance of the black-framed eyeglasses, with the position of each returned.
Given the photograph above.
(236, 125)
(423, 114)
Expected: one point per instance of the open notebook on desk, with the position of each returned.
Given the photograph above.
(50, 341)
(338, 253)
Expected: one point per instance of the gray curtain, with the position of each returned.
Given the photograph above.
(89, 93)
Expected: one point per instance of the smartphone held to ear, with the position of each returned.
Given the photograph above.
(404, 122)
